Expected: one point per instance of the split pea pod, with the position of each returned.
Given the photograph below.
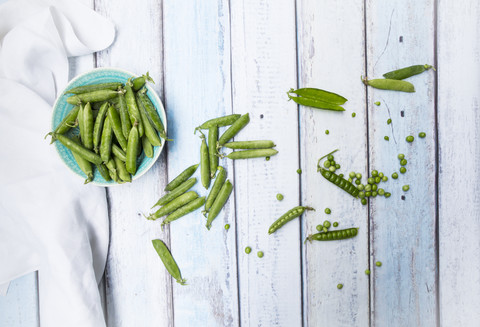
(94, 96)
(84, 164)
(103, 170)
(119, 152)
(98, 127)
(68, 122)
(217, 185)
(95, 87)
(340, 182)
(219, 121)
(219, 202)
(149, 130)
(139, 82)
(182, 177)
(288, 216)
(316, 103)
(147, 147)
(182, 211)
(132, 107)
(234, 129)
(256, 153)
(179, 190)
(260, 144)
(320, 95)
(116, 124)
(204, 164)
(132, 149)
(122, 170)
(212, 150)
(390, 84)
(79, 149)
(151, 112)
(173, 205)
(87, 138)
(406, 72)
(106, 140)
(168, 261)
(335, 235)
(124, 116)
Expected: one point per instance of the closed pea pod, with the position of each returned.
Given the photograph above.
(88, 126)
(248, 154)
(124, 116)
(84, 164)
(182, 188)
(116, 124)
(340, 182)
(319, 94)
(219, 202)
(260, 144)
(149, 131)
(139, 82)
(119, 152)
(95, 96)
(390, 84)
(233, 130)
(112, 170)
(106, 140)
(182, 177)
(212, 150)
(98, 127)
(204, 164)
(81, 124)
(122, 170)
(407, 71)
(132, 149)
(335, 235)
(219, 121)
(103, 170)
(316, 103)
(288, 216)
(132, 107)
(174, 205)
(185, 210)
(95, 87)
(168, 261)
(217, 185)
(151, 113)
(147, 147)
(68, 122)
(79, 149)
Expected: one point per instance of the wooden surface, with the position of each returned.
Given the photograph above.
(211, 58)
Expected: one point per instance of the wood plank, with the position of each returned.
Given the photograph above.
(325, 31)
(197, 88)
(458, 174)
(19, 308)
(263, 69)
(402, 230)
(138, 288)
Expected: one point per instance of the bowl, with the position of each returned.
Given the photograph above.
(61, 108)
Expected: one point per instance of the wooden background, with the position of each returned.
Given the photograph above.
(211, 58)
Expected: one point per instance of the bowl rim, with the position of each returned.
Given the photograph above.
(152, 93)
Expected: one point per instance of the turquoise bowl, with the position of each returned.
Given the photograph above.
(61, 108)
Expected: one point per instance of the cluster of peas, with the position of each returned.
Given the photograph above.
(371, 189)
(326, 224)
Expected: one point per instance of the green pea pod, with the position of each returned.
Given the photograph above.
(339, 234)
(233, 130)
(151, 112)
(112, 170)
(182, 211)
(132, 107)
(81, 124)
(124, 116)
(84, 164)
(122, 170)
(132, 149)
(179, 190)
(139, 82)
(261, 144)
(212, 150)
(219, 122)
(67, 123)
(168, 261)
(204, 164)
(119, 152)
(340, 182)
(147, 147)
(88, 126)
(94, 96)
(287, 217)
(103, 170)
(95, 87)
(174, 205)
(390, 84)
(117, 127)
(256, 153)
(182, 177)
(219, 202)
(106, 140)
(320, 95)
(217, 185)
(149, 131)
(314, 103)
(98, 127)
(406, 72)
(79, 149)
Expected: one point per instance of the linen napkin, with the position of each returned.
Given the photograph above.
(49, 220)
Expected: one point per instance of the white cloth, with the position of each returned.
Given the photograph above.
(49, 220)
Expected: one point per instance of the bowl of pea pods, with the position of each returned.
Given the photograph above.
(109, 126)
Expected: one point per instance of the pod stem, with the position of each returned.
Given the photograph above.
(318, 163)
(182, 281)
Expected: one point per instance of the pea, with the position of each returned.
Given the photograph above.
(337, 166)
(403, 170)
(361, 195)
(279, 197)
(374, 193)
(409, 138)
(390, 84)
(332, 162)
(219, 202)
(384, 178)
(267, 158)
(325, 229)
(335, 224)
(394, 175)
(248, 250)
(255, 153)
(374, 187)
(353, 114)
(367, 271)
(387, 194)
(378, 179)
(327, 132)
(360, 187)
(332, 169)
(368, 188)
(371, 180)
(359, 176)
(132, 149)
(341, 175)
(173, 205)
(403, 162)
(328, 211)
(326, 164)
(319, 227)
(299, 171)
(182, 177)
(326, 224)
(243, 145)
(330, 157)
(227, 226)
(377, 103)
(422, 135)
(288, 216)
(352, 174)
(168, 261)
(389, 121)
(220, 121)
(350, 180)
(381, 191)
(378, 263)
(340, 286)
(234, 129)
(405, 188)
(260, 254)
(358, 182)
(386, 138)
(212, 150)
(364, 201)
(317, 98)
(380, 174)
(368, 194)
(401, 156)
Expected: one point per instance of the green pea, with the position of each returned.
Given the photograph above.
(387, 194)
(260, 254)
(299, 171)
(234, 129)
(367, 271)
(328, 211)
(279, 197)
(384, 178)
(340, 175)
(361, 195)
(374, 187)
(267, 158)
(405, 188)
(319, 227)
(371, 180)
(406, 72)
(227, 226)
(381, 191)
(374, 193)
(378, 263)
(204, 164)
(352, 174)
(358, 182)
(378, 179)
(219, 202)
(380, 174)
(353, 114)
(389, 121)
(368, 187)
(394, 175)
(248, 250)
(326, 164)
(340, 286)
(403, 162)
(335, 224)
(359, 176)
(332, 162)
(332, 169)
(360, 187)
(401, 156)
(364, 201)
(374, 173)
(409, 138)
(368, 194)
(325, 229)
(422, 135)
(220, 121)
(168, 261)
(330, 157)
(326, 224)
(327, 132)
(132, 149)
(377, 103)
(386, 138)
(350, 180)
(403, 170)
(337, 166)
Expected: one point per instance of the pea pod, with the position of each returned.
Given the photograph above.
(182, 211)
(132, 107)
(106, 140)
(79, 149)
(204, 164)
(219, 121)
(116, 124)
(256, 153)
(219, 202)
(147, 147)
(139, 82)
(98, 127)
(340, 182)
(122, 170)
(87, 138)
(179, 190)
(390, 84)
(68, 122)
(217, 185)
(168, 261)
(212, 150)
(315, 103)
(149, 130)
(94, 96)
(124, 116)
(151, 113)
(95, 87)
(320, 95)
(261, 144)
(173, 205)
(103, 170)
(132, 149)
(288, 216)
(119, 152)
(112, 170)
(84, 164)
(335, 235)
(182, 177)
(233, 130)
(81, 124)
(406, 72)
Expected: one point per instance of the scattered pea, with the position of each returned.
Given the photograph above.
(403, 170)
(405, 188)
(341, 175)
(352, 174)
(358, 175)
(384, 178)
(371, 180)
(374, 187)
(353, 114)
(378, 263)
(401, 156)
(279, 197)
(374, 173)
(358, 182)
(380, 174)
(364, 201)
(378, 179)
(422, 135)
(387, 194)
(319, 227)
(327, 132)
(374, 193)
(330, 157)
(367, 271)
(360, 187)
(260, 254)
(350, 180)
(337, 166)
(227, 226)
(386, 138)
(377, 103)
(368, 194)
(332, 169)
(299, 171)
(389, 121)
(409, 138)
(340, 286)
(267, 158)
(325, 229)
(335, 224)
(326, 164)
(403, 162)
(328, 211)
(368, 187)
(332, 162)
(361, 195)
(381, 191)
(248, 250)
(394, 175)
(326, 224)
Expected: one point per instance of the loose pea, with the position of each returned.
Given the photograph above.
(405, 188)
(386, 138)
(387, 194)
(360, 187)
(227, 226)
(364, 201)
(328, 211)
(353, 114)
(299, 171)
(335, 224)
(279, 197)
(378, 263)
(337, 166)
(260, 254)
(358, 182)
(384, 178)
(409, 138)
(330, 157)
(352, 174)
(327, 132)
(380, 174)
(403, 162)
(332, 169)
(381, 191)
(374, 173)
(371, 180)
(374, 193)
(340, 286)
(359, 176)
(248, 250)
(378, 179)
(389, 121)
(326, 224)
(367, 271)
(368, 194)
(319, 227)
(332, 162)
(325, 229)
(403, 170)
(326, 164)
(361, 195)
(368, 187)
(267, 158)
(422, 135)
(374, 187)
(341, 175)
(401, 156)
(377, 103)
(350, 180)
(394, 175)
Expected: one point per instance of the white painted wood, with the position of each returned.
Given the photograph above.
(138, 288)
(263, 69)
(19, 308)
(459, 144)
(325, 30)
(402, 232)
(197, 88)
